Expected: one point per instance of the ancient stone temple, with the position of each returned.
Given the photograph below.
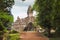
(26, 28)
(20, 24)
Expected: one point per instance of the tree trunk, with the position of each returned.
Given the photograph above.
(49, 33)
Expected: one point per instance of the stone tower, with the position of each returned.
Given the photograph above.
(20, 24)
(30, 11)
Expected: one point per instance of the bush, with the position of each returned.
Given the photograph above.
(13, 36)
(14, 31)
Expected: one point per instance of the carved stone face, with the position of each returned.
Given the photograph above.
(30, 11)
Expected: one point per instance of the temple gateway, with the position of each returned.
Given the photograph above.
(20, 24)
(26, 26)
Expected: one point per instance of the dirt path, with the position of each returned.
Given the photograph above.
(32, 36)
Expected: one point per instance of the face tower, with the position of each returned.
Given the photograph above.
(30, 11)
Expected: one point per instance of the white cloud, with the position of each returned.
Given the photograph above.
(19, 11)
(20, 8)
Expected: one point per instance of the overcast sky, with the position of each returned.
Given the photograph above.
(20, 8)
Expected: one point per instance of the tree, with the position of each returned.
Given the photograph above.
(5, 4)
(2, 27)
(57, 17)
(23, 0)
(6, 18)
(48, 12)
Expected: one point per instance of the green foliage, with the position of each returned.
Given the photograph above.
(14, 36)
(6, 18)
(13, 31)
(1, 26)
(23, 0)
(54, 38)
(48, 13)
(6, 3)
